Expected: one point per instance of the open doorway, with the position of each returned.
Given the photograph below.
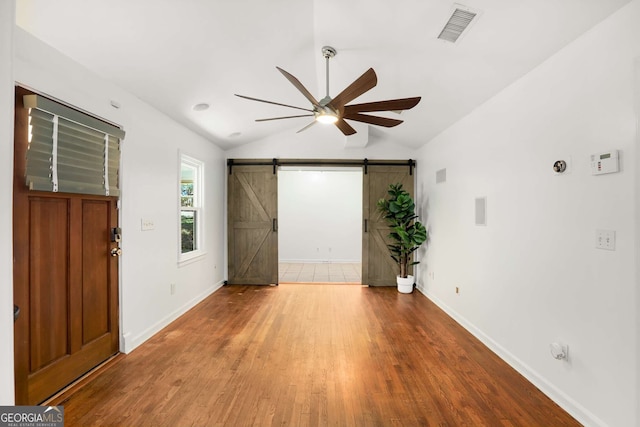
(320, 224)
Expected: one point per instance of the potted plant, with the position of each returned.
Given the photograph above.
(407, 234)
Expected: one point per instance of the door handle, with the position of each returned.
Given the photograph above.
(116, 252)
(365, 225)
(275, 224)
(16, 313)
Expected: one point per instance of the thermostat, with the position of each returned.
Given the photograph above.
(604, 163)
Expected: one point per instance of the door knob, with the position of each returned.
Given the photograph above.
(116, 252)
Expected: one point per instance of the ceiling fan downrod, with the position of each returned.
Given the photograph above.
(328, 52)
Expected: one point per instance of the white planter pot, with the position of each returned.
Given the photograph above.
(405, 285)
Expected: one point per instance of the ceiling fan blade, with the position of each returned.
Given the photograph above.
(285, 117)
(344, 127)
(373, 120)
(271, 102)
(300, 87)
(307, 126)
(389, 105)
(365, 82)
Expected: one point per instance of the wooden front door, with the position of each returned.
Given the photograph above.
(378, 269)
(252, 209)
(65, 281)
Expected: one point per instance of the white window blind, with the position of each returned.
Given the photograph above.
(70, 151)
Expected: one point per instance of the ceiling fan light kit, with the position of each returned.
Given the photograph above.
(334, 110)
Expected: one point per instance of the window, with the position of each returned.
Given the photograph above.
(191, 208)
(70, 151)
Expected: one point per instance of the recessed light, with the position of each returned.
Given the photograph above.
(201, 107)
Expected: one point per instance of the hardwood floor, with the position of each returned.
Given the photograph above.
(301, 355)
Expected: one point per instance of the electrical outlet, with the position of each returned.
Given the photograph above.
(606, 239)
(559, 351)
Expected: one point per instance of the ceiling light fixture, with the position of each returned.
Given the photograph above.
(326, 116)
(200, 107)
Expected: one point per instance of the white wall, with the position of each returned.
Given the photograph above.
(321, 142)
(532, 276)
(150, 170)
(7, 19)
(320, 215)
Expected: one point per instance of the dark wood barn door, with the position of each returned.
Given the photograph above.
(378, 269)
(252, 209)
(65, 282)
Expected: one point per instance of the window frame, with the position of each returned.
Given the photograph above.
(198, 208)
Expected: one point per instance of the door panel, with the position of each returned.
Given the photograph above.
(65, 281)
(378, 269)
(252, 224)
(48, 267)
(95, 269)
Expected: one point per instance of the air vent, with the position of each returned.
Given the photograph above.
(459, 21)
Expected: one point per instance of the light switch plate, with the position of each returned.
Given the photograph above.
(146, 224)
(606, 239)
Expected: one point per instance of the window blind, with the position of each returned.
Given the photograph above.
(70, 151)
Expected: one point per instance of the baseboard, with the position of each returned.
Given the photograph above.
(579, 412)
(129, 343)
(63, 395)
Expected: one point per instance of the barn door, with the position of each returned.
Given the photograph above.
(252, 225)
(65, 281)
(378, 269)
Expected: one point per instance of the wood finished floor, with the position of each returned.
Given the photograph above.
(300, 355)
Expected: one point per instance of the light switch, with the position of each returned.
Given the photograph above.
(146, 224)
(606, 239)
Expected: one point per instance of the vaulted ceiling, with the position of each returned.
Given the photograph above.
(176, 54)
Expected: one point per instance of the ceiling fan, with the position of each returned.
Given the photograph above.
(335, 110)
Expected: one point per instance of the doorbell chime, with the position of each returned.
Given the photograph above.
(559, 166)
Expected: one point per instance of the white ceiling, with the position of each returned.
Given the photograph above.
(175, 54)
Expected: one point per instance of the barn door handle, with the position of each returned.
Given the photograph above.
(16, 312)
(365, 225)
(275, 225)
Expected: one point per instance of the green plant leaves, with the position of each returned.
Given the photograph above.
(406, 232)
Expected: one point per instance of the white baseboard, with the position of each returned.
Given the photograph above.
(579, 412)
(129, 343)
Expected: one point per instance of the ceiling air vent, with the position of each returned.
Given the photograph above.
(457, 24)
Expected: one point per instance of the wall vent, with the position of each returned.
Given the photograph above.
(459, 21)
(441, 176)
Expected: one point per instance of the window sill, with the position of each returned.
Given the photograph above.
(190, 258)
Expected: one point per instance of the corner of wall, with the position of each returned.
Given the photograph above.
(637, 234)
(7, 24)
